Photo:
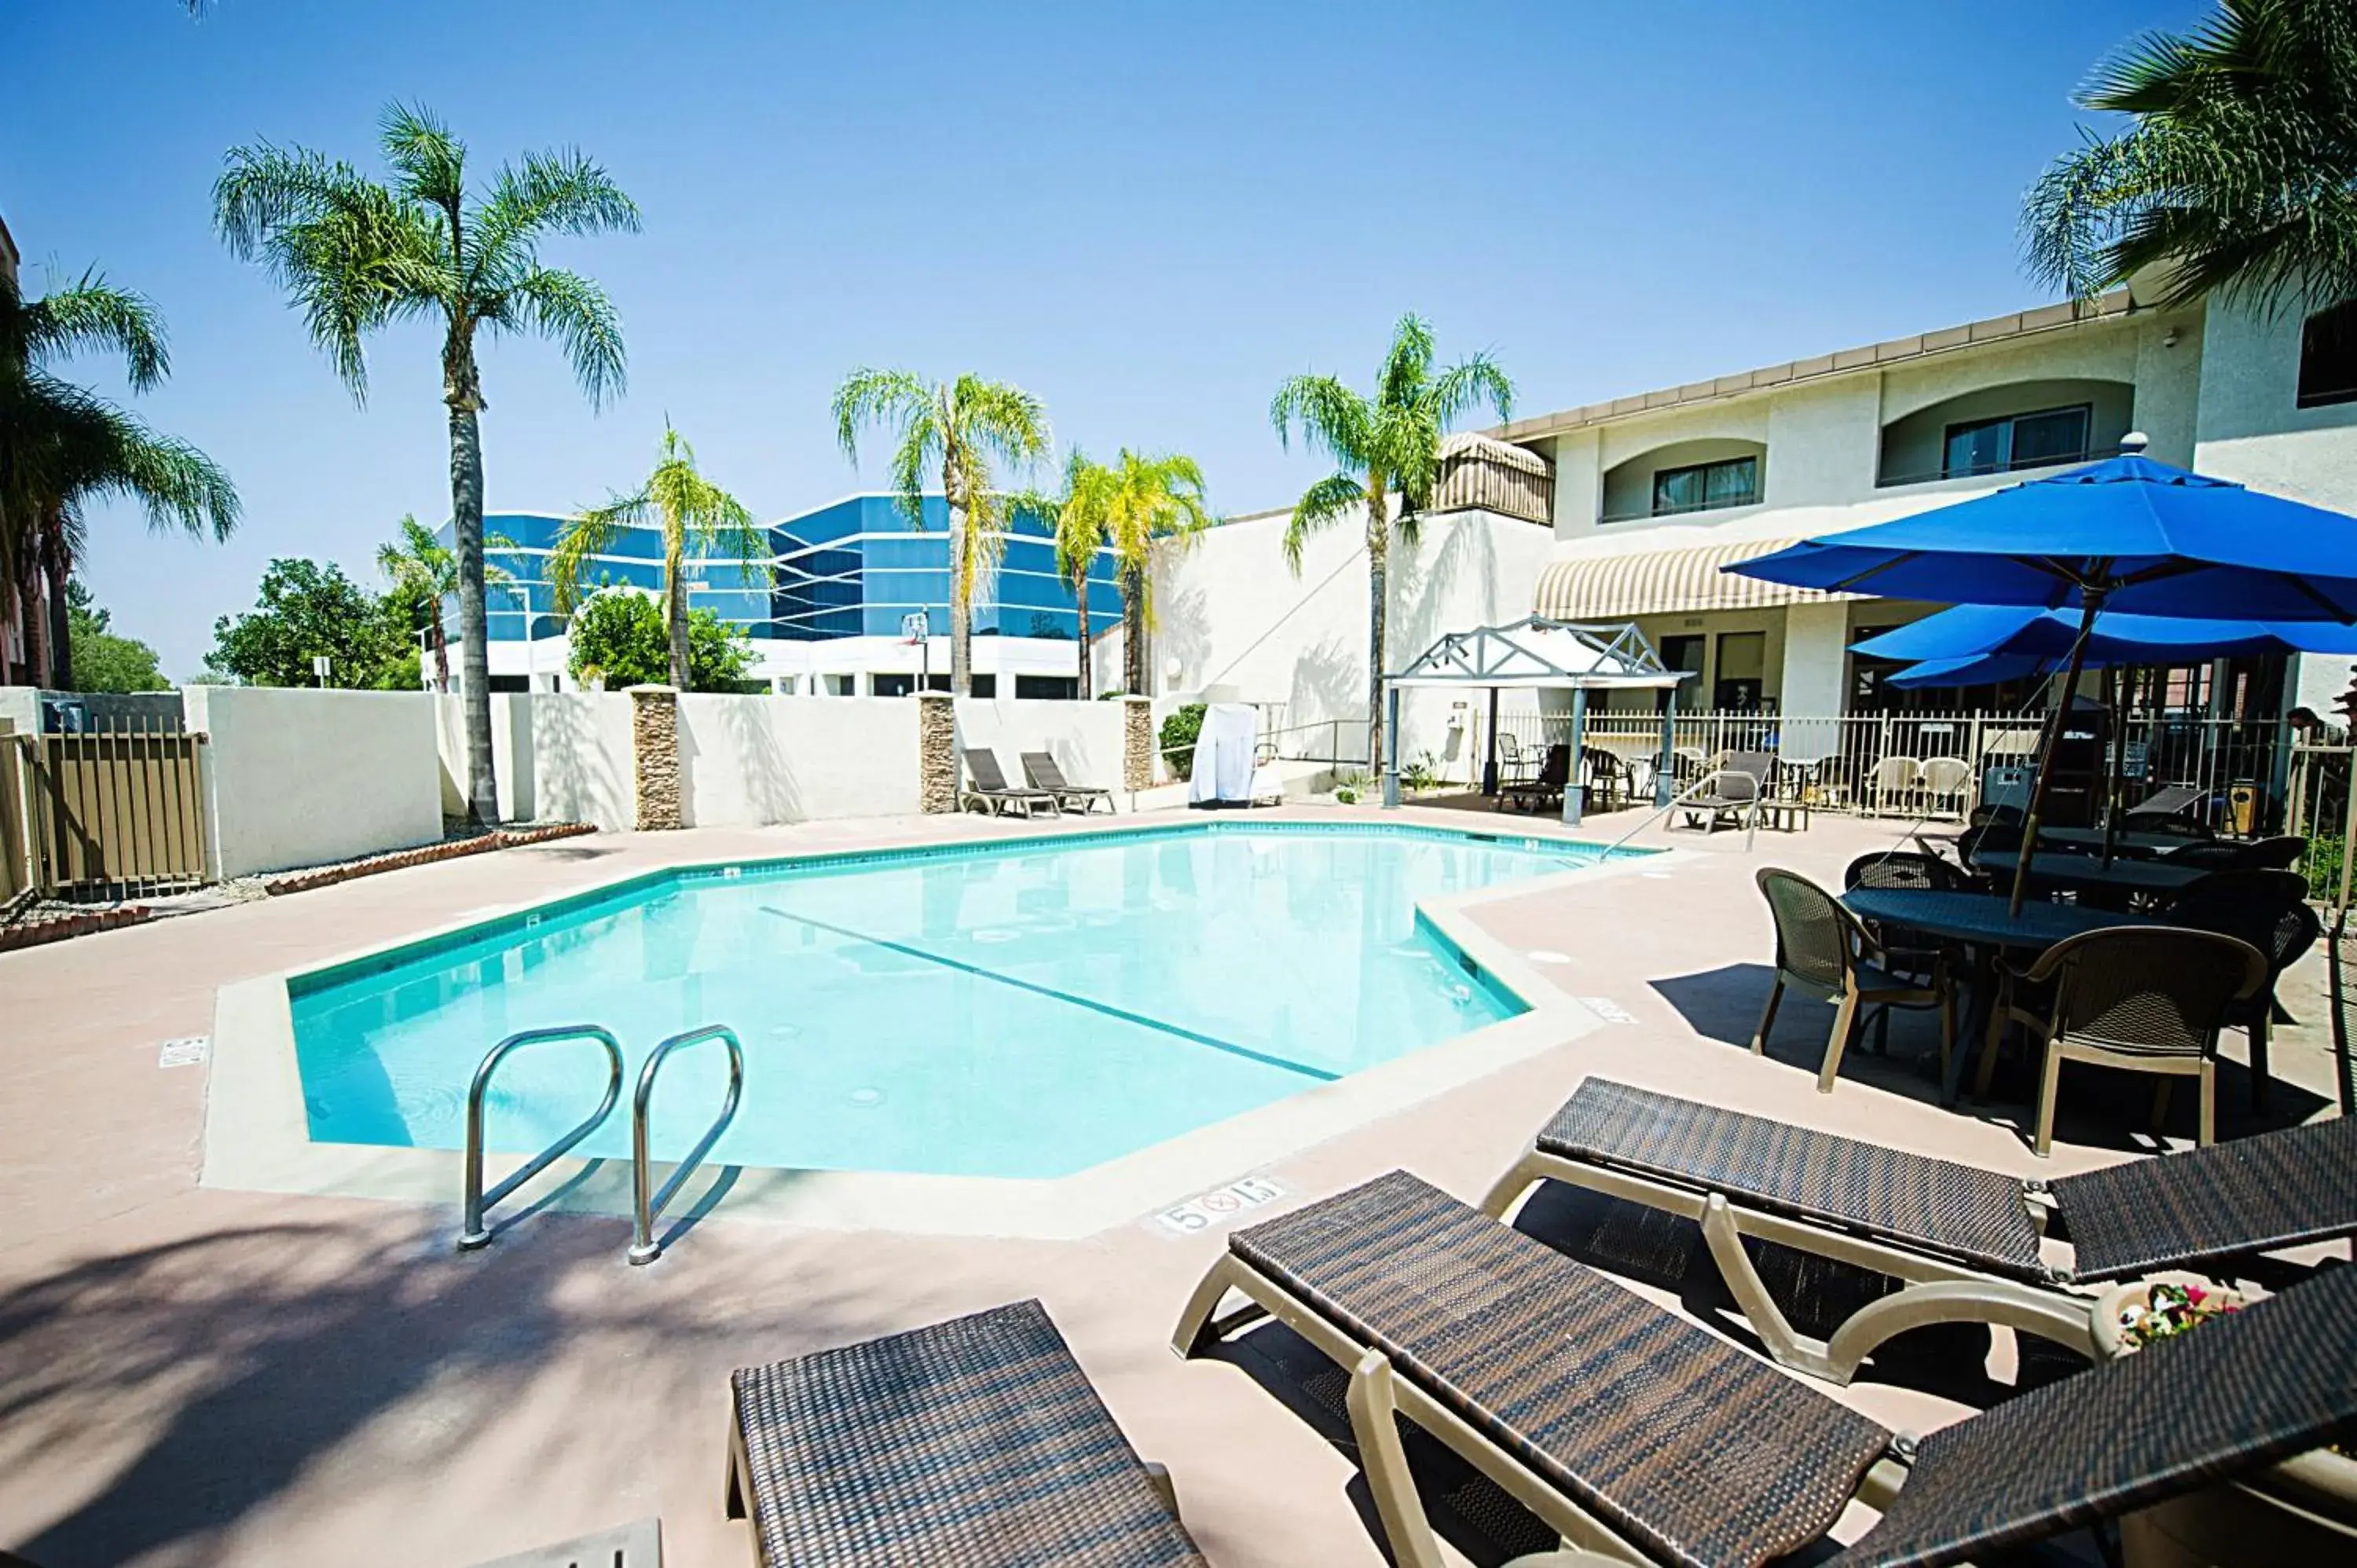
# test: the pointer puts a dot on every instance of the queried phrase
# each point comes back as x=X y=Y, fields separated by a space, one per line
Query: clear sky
x=1145 y=214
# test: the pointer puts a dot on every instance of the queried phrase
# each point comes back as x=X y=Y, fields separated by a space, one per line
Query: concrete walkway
x=208 y=1377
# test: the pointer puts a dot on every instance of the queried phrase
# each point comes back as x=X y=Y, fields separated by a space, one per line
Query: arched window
x=2328 y=357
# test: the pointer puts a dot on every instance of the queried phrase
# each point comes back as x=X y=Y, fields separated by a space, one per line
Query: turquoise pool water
x=1016 y=1011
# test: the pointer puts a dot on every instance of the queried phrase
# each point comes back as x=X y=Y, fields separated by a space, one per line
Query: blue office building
x=853 y=569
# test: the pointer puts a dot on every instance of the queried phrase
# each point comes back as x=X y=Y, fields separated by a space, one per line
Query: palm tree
x=1390 y=442
x=422 y=565
x=61 y=448
x=1079 y=515
x=955 y=428
x=1151 y=498
x=2239 y=174
x=686 y=507
x=354 y=253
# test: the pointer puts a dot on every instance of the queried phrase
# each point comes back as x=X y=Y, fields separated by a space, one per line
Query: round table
x=1984 y=925
x=2089 y=871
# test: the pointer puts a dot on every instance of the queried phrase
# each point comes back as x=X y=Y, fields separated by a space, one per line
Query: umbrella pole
x=2092 y=601
x=2114 y=685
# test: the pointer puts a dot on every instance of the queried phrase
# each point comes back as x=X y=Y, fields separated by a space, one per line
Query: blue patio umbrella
x=1987 y=670
x=2127 y=535
x=1971 y=632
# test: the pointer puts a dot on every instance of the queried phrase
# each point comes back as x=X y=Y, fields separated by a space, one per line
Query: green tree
x=955 y=429
x=1079 y=517
x=2237 y=175
x=354 y=254
x=306 y=609
x=1151 y=498
x=104 y=660
x=1385 y=444
x=63 y=449
x=686 y=508
x=620 y=638
x=423 y=572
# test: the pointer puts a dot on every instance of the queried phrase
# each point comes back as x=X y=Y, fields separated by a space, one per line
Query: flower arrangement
x=2169 y=1309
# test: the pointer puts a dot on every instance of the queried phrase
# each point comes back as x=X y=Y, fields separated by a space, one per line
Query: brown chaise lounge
x=1042 y=771
x=1636 y=1434
x=1964 y=1240
x=973 y=1443
x=997 y=795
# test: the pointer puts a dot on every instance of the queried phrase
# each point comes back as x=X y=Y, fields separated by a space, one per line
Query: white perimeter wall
x=754 y=760
x=1085 y=738
x=1242 y=624
x=300 y=778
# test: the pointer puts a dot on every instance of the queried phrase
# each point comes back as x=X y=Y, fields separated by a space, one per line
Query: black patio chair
x=2269 y=910
x=1544 y=789
x=1823 y=950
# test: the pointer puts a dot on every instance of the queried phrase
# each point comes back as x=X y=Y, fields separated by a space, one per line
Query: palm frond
x=1470 y=384
x=91 y=314
x=1334 y=420
x=589 y=533
x=1408 y=363
x=554 y=193
x=1322 y=504
x=569 y=309
x=1002 y=419
x=64 y=447
x=431 y=163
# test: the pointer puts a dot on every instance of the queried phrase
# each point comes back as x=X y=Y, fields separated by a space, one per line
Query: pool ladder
x=647 y=1203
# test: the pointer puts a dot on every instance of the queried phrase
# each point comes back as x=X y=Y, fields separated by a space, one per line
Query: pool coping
x=257 y=1137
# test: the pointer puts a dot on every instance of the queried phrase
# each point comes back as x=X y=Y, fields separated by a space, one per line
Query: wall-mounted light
x=2168 y=338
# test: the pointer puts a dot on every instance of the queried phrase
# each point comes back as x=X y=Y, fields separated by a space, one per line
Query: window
x=2016 y=441
x=2328 y=357
x=1703 y=486
x=1742 y=671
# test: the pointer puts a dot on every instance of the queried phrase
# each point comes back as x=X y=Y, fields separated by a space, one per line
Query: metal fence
x=114 y=812
x=1937 y=763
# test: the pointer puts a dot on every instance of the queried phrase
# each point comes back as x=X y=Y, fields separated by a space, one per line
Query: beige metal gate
x=114 y=814
x=15 y=847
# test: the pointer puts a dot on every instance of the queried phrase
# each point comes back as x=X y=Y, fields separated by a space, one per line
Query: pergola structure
x=1538 y=654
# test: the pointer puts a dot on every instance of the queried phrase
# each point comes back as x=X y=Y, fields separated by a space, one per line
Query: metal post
x=1391 y=747
x=1489 y=765
x=1574 y=799
x=1665 y=777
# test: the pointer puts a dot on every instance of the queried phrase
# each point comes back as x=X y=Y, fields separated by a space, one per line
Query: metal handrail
x=475 y=1235
x=644 y=1248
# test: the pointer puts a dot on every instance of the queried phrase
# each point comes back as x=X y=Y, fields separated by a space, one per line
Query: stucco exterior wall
x=297 y=777
x=757 y=760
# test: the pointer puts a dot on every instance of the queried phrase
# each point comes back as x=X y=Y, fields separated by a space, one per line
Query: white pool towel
x=1223 y=755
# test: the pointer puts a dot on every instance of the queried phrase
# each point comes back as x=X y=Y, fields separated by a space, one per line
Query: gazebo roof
x=1537 y=653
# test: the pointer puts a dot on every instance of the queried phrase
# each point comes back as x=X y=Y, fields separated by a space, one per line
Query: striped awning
x=1665 y=582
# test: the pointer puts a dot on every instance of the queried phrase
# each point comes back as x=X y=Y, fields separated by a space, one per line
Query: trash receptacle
x=2242 y=806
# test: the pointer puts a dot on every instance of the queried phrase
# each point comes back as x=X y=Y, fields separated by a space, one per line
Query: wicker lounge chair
x=1543 y=788
x=1040 y=769
x=974 y=1444
x=995 y=795
x=1730 y=794
x=1823 y=950
x=2168 y=800
x=1642 y=1436
x=1963 y=1241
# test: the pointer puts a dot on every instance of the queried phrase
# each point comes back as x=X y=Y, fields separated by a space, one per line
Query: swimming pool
x=1024 y=1010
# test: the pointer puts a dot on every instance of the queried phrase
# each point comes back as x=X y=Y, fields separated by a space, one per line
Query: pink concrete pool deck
x=193 y=1375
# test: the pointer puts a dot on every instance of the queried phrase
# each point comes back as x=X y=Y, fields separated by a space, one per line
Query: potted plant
x=2301 y=1511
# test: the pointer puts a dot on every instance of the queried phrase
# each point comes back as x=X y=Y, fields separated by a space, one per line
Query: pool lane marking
x=1107 y=1008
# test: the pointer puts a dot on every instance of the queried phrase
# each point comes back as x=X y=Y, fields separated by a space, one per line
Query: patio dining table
x=2088 y=871
x=1982 y=925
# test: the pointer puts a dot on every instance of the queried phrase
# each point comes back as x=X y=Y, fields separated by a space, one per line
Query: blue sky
x=1146 y=215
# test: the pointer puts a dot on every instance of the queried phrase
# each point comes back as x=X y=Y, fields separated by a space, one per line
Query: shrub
x=1181 y=731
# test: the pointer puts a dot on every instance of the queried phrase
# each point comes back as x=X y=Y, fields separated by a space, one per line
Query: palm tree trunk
x=60 y=569
x=474 y=646
x=30 y=620
x=61 y=672
x=961 y=604
x=1379 y=539
x=1134 y=674
x=441 y=647
x=675 y=606
x=1080 y=605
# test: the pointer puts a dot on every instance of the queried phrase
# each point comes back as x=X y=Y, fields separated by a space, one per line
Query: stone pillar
x=1138 y=743
x=654 y=747
x=937 y=760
